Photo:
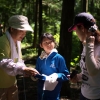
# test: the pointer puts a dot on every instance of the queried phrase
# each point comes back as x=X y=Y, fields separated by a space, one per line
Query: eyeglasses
x=47 y=42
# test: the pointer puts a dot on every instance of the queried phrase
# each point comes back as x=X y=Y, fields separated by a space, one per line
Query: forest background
x=55 y=17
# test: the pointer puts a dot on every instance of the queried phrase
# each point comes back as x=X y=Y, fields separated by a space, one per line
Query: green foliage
x=25 y=45
x=29 y=53
x=12 y=7
x=51 y=22
x=56 y=37
x=75 y=50
x=29 y=38
x=78 y=6
x=74 y=61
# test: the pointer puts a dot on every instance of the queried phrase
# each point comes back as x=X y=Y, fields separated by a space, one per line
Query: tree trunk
x=35 y=28
x=85 y=5
x=91 y=6
x=40 y=23
x=66 y=38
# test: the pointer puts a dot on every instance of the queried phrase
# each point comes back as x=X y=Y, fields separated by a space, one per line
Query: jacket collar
x=44 y=54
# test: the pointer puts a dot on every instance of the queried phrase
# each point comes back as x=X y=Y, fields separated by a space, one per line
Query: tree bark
x=85 y=5
x=65 y=45
x=35 y=28
x=40 y=24
x=91 y=6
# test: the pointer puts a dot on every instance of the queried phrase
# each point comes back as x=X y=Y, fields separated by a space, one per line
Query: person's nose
x=49 y=43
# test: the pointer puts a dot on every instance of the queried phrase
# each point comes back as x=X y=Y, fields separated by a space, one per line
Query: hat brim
x=25 y=27
x=73 y=27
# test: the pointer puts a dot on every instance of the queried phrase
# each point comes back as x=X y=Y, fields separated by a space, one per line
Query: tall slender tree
x=36 y=23
x=65 y=44
x=40 y=23
x=85 y=5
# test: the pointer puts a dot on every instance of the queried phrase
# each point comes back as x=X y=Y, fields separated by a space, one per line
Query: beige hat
x=19 y=22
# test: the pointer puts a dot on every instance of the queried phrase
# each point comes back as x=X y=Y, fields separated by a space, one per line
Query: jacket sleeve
x=92 y=60
x=12 y=68
x=62 y=70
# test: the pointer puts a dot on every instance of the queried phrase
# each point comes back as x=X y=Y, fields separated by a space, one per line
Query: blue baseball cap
x=82 y=18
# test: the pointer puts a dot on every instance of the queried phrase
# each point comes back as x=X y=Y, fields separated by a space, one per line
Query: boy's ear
x=41 y=46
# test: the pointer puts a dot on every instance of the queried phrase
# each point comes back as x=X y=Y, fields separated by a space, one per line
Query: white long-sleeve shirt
x=90 y=66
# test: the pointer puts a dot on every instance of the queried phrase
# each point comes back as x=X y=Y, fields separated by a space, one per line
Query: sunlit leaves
x=74 y=62
x=56 y=37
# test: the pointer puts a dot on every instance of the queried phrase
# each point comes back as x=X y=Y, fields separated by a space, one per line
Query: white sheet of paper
x=49 y=86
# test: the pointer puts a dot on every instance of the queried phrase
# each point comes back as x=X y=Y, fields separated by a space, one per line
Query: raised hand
x=90 y=39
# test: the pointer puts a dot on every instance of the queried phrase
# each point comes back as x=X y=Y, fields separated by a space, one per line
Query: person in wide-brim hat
x=11 y=63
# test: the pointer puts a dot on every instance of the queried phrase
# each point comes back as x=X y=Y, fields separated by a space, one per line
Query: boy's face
x=47 y=45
